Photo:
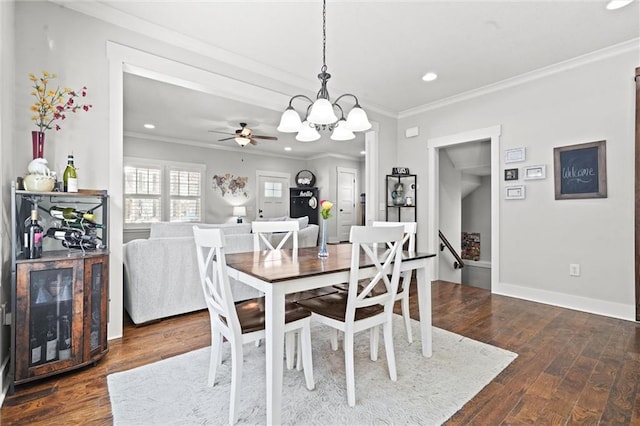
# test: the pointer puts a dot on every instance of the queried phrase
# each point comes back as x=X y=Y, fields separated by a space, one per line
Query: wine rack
x=59 y=301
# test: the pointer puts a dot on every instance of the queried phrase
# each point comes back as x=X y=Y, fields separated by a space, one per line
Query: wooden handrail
x=458 y=263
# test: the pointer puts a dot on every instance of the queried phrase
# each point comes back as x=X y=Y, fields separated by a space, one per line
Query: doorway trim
x=433 y=222
x=128 y=59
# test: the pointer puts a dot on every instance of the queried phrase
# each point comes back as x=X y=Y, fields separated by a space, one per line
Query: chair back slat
x=262 y=232
x=410 y=229
x=212 y=266
x=367 y=240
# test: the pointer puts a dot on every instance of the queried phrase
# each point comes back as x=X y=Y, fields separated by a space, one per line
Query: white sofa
x=161 y=276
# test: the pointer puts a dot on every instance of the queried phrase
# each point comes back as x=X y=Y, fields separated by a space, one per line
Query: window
x=273 y=189
x=164 y=191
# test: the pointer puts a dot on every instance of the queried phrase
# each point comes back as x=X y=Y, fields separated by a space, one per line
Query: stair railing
x=457 y=263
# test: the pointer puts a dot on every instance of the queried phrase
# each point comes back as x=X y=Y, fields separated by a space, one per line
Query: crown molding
x=598 y=55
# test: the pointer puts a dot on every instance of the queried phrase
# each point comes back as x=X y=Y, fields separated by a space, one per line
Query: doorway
x=434 y=147
x=272 y=197
x=347 y=185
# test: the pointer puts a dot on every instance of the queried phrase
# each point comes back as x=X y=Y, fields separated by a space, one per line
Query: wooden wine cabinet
x=59 y=301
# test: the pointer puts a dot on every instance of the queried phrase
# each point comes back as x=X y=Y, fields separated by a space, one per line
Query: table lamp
x=240 y=212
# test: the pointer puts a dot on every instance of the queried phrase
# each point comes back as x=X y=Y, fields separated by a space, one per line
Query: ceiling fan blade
x=224 y=133
x=226 y=139
x=253 y=141
x=270 y=138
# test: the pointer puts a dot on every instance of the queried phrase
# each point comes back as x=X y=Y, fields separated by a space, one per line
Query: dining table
x=278 y=273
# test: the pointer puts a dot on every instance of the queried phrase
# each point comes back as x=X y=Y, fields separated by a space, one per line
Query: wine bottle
x=69 y=177
x=35 y=346
x=75 y=238
x=52 y=340
x=70 y=214
x=33 y=235
x=64 y=348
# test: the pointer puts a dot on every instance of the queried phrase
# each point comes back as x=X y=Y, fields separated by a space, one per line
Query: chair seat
x=251 y=314
x=334 y=306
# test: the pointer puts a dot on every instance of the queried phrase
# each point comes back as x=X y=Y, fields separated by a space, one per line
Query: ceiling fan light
x=341 y=132
x=307 y=133
x=322 y=112
x=242 y=141
x=357 y=120
x=290 y=121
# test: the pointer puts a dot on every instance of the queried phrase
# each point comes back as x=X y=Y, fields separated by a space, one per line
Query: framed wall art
x=580 y=171
x=535 y=172
x=514 y=155
x=514 y=192
x=511 y=174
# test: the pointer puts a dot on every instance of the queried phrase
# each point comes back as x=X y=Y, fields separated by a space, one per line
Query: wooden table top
x=280 y=265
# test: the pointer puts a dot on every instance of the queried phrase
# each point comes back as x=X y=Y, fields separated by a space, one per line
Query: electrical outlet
x=574 y=269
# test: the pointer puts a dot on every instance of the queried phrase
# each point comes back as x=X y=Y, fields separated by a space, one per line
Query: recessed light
x=617 y=4
x=149 y=126
x=430 y=76
x=287 y=148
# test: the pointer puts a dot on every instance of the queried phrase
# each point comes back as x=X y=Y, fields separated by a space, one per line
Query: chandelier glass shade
x=320 y=114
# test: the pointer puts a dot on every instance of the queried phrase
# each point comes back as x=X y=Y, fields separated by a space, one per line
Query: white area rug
x=428 y=390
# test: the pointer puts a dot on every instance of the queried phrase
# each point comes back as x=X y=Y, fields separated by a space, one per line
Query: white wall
x=476 y=215
x=450 y=213
x=6 y=174
x=587 y=100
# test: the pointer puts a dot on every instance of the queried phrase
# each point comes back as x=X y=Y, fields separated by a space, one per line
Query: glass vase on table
x=323 y=240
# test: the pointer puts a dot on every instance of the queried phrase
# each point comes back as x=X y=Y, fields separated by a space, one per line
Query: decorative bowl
x=39 y=183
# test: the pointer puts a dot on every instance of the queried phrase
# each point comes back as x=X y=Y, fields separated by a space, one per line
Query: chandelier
x=321 y=113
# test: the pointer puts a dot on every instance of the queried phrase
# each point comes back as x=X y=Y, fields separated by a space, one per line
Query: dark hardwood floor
x=572 y=367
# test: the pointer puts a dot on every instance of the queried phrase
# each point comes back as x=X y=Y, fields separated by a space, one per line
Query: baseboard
x=579 y=303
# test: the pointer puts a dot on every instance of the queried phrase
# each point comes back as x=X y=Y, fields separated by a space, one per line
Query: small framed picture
x=511 y=174
x=535 y=172
x=514 y=155
x=514 y=192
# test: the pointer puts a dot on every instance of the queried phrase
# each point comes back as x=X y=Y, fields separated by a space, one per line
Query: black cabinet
x=401 y=198
x=303 y=201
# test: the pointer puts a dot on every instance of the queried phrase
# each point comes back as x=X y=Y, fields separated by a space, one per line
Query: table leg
x=274 y=328
x=424 y=305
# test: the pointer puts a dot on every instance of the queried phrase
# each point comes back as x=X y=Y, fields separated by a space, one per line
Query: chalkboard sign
x=580 y=171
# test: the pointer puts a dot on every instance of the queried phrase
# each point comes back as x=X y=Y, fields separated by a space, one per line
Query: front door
x=346 y=208
x=272 y=198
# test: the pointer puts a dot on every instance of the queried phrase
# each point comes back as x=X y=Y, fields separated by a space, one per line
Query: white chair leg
x=290 y=341
x=374 y=337
x=215 y=357
x=349 y=369
x=305 y=343
x=334 y=339
x=388 y=345
x=299 y=360
x=406 y=282
x=236 y=376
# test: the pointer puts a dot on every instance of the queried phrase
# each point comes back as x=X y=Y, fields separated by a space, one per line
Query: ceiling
x=377 y=50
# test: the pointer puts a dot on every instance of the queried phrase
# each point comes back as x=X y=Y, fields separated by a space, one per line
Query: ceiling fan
x=244 y=135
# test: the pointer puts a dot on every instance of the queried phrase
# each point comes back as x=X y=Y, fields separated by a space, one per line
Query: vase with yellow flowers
x=325 y=212
x=50 y=107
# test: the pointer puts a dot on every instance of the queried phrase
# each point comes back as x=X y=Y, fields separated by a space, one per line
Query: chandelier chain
x=324 y=35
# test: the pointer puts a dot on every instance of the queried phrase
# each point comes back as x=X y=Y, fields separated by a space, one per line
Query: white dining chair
x=359 y=309
x=239 y=322
x=263 y=234
x=402 y=295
